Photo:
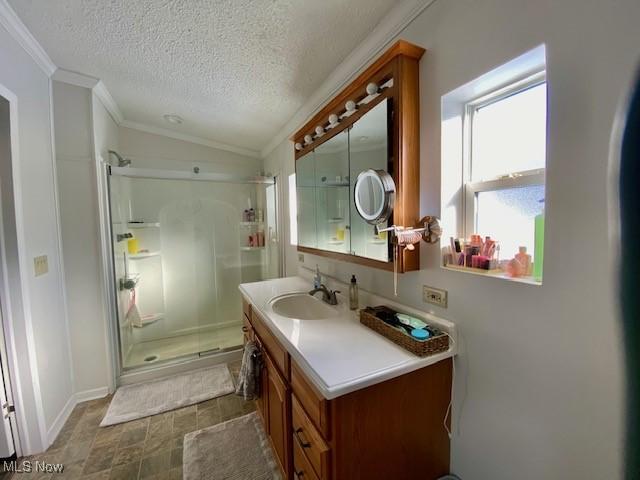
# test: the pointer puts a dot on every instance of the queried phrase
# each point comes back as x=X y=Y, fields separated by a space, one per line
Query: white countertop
x=340 y=355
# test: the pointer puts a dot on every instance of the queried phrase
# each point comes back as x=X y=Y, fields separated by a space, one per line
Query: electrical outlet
x=301 y=257
x=434 y=296
x=40 y=265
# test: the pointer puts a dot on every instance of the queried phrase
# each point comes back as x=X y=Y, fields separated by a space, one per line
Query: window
x=504 y=165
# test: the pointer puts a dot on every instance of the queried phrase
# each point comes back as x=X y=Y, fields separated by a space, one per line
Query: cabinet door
x=368 y=148
x=332 y=194
x=279 y=408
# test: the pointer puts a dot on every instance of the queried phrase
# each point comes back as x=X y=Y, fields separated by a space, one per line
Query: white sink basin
x=302 y=306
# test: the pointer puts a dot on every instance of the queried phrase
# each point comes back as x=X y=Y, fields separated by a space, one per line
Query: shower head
x=122 y=162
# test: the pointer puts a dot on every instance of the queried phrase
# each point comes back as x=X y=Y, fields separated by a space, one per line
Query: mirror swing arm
x=393 y=76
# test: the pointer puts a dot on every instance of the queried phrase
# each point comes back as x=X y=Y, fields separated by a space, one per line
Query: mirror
x=306 y=200
x=369 y=150
x=374 y=195
x=332 y=194
x=329 y=196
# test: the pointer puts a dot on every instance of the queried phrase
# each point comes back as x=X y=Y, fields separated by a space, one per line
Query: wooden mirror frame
x=400 y=63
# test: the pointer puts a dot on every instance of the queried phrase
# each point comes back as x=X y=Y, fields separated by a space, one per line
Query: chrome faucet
x=328 y=296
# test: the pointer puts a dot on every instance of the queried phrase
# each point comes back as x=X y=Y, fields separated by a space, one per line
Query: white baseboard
x=63 y=416
x=60 y=420
x=91 y=394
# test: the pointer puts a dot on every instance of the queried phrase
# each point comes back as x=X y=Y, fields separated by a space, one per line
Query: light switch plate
x=40 y=265
x=434 y=296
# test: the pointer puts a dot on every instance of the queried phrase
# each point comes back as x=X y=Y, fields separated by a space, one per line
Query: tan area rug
x=131 y=402
x=233 y=450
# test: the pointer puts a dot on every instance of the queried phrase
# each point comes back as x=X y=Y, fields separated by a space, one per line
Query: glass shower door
x=216 y=264
x=235 y=237
x=181 y=248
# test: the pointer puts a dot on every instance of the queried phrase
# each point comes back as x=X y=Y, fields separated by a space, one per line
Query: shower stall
x=181 y=243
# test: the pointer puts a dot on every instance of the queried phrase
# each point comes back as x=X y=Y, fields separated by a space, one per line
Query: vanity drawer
x=309 y=440
x=302 y=469
x=278 y=354
x=315 y=405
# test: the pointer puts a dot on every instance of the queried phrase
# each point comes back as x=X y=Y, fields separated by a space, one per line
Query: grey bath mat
x=143 y=399
x=233 y=450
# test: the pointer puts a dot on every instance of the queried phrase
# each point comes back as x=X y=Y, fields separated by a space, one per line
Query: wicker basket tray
x=422 y=348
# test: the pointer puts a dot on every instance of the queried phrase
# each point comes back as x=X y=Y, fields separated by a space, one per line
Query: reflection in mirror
x=368 y=149
x=306 y=197
x=332 y=194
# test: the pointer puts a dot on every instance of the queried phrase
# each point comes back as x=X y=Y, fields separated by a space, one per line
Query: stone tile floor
x=148 y=448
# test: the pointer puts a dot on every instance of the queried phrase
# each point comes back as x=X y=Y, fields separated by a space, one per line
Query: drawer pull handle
x=303 y=443
x=245 y=329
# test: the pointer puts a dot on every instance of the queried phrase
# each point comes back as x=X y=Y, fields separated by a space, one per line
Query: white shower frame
x=180 y=364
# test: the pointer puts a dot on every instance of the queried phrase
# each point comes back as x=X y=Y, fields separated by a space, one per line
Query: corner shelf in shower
x=143 y=225
x=140 y=256
x=149 y=319
x=251 y=224
x=335 y=184
x=251 y=249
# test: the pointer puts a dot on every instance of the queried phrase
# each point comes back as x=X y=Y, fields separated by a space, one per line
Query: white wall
x=44 y=379
x=74 y=128
x=280 y=162
x=148 y=150
x=106 y=133
x=538 y=391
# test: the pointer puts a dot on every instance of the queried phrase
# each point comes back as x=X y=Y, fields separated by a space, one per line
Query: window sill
x=493 y=274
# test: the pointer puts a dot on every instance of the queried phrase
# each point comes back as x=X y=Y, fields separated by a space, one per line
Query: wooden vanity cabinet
x=391 y=430
x=274 y=402
x=278 y=411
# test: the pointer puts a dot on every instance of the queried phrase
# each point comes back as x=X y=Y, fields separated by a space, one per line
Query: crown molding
x=10 y=20
x=92 y=83
x=379 y=38
x=74 y=78
x=189 y=138
x=103 y=94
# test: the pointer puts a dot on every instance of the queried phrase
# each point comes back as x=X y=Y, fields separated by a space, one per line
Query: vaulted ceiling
x=234 y=70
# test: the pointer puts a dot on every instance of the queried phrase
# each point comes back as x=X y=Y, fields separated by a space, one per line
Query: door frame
x=23 y=392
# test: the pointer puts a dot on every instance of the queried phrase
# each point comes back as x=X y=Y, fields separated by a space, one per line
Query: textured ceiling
x=235 y=70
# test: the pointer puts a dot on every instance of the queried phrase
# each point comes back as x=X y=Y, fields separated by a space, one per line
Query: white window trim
x=516 y=179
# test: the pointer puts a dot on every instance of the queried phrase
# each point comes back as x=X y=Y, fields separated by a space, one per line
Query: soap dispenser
x=353 y=293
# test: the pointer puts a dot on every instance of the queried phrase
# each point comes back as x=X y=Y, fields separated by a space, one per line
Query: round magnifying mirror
x=374 y=195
